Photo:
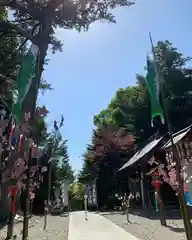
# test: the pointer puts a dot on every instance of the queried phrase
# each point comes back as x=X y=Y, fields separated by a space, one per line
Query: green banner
x=152 y=86
x=24 y=79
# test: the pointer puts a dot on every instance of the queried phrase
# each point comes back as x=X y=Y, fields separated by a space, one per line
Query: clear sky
x=93 y=65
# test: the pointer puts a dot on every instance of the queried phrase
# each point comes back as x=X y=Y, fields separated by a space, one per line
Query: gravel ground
x=148 y=229
x=57 y=228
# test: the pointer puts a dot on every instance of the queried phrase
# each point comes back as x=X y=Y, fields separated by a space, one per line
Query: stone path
x=96 y=227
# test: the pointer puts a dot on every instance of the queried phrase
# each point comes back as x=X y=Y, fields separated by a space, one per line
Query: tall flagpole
x=181 y=197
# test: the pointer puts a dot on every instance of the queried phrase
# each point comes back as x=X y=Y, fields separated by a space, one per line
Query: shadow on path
x=176 y=229
x=151 y=214
x=2 y=225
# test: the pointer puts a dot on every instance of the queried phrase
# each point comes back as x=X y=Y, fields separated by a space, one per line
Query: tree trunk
x=26 y=201
x=47 y=210
x=184 y=212
x=162 y=211
x=181 y=196
x=179 y=177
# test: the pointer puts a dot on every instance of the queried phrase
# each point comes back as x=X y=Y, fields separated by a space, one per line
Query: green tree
x=89 y=171
x=37 y=20
x=9 y=60
x=177 y=83
x=76 y=190
x=64 y=170
x=60 y=157
x=57 y=153
x=76 y=195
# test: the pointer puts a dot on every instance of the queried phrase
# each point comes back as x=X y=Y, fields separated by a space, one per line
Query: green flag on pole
x=153 y=88
x=24 y=80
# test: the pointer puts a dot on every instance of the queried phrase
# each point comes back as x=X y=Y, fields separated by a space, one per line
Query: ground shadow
x=2 y=225
x=176 y=229
x=131 y=223
x=172 y=214
x=111 y=213
x=66 y=214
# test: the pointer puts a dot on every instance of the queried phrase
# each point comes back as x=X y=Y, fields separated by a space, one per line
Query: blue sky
x=94 y=64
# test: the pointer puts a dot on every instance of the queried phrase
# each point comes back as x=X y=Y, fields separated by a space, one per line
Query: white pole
x=85 y=203
x=142 y=191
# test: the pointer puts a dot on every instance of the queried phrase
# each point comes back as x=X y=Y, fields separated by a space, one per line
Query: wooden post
x=26 y=199
x=157 y=183
x=12 y=192
x=85 y=204
x=142 y=190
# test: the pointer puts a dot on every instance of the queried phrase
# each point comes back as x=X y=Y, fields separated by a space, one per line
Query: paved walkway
x=96 y=228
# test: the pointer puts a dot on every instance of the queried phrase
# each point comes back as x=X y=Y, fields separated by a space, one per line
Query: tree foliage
x=76 y=190
x=60 y=157
x=56 y=160
x=37 y=20
x=9 y=60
